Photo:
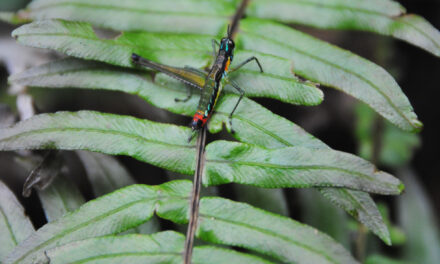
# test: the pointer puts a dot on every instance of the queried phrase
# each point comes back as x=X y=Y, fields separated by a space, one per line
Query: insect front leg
x=253 y=58
x=188 y=95
x=214 y=47
x=241 y=91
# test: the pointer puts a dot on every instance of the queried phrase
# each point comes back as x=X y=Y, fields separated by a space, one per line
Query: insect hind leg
x=188 y=95
x=241 y=91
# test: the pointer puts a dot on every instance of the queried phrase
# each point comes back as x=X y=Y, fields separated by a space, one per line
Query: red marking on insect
x=199 y=120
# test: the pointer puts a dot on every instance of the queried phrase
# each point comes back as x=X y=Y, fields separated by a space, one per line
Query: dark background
x=333 y=121
x=420 y=83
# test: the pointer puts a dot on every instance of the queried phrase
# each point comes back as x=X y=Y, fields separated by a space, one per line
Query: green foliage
x=293 y=167
x=272 y=200
x=61 y=197
x=397 y=145
x=422 y=232
x=378 y=16
x=15 y=226
x=333 y=67
x=110 y=214
x=348 y=72
x=379 y=259
x=173 y=49
x=360 y=206
x=397 y=235
x=136 y=15
x=159 y=144
x=237 y=224
x=315 y=208
x=252 y=123
x=105 y=175
x=133 y=205
x=163 y=247
x=225 y=161
x=272 y=153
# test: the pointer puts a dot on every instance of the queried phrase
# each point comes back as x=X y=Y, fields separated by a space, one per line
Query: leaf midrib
x=18 y=78
x=300 y=167
x=122 y=254
x=434 y=41
x=107 y=42
x=272 y=75
x=119 y=8
x=395 y=18
x=96 y=219
x=360 y=206
x=103 y=131
x=91 y=70
x=361 y=77
x=265 y=231
x=8 y=226
x=138 y=91
x=338 y=7
x=261 y=128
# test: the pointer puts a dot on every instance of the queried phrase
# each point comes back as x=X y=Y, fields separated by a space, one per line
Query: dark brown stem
x=237 y=16
x=200 y=158
x=195 y=197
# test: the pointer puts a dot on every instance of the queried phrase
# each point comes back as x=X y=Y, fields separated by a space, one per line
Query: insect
x=209 y=83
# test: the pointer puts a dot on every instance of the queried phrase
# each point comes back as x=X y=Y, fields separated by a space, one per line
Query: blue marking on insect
x=227 y=47
x=221 y=46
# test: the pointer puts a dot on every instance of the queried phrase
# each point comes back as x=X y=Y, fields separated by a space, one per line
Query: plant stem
x=200 y=158
x=377 y=135
x=195 y=197
x=237 y=16
x=361 y=242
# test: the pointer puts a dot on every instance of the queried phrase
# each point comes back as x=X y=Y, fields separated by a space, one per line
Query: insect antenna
x=229 y=31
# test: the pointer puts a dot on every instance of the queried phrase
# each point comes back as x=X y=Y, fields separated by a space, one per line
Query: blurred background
x=340 y=121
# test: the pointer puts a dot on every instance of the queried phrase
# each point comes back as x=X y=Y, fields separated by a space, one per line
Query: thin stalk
x=195 y=197
x=237 y=16
x=361 y=239
x=200 y=159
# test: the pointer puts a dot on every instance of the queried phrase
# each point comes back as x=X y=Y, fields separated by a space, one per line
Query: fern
x=271 y=152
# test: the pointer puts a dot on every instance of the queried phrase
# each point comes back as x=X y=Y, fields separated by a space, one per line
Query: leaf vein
x=361 y=77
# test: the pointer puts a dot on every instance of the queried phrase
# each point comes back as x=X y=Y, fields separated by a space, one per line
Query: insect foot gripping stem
x=135 y=58
x=230 y=125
